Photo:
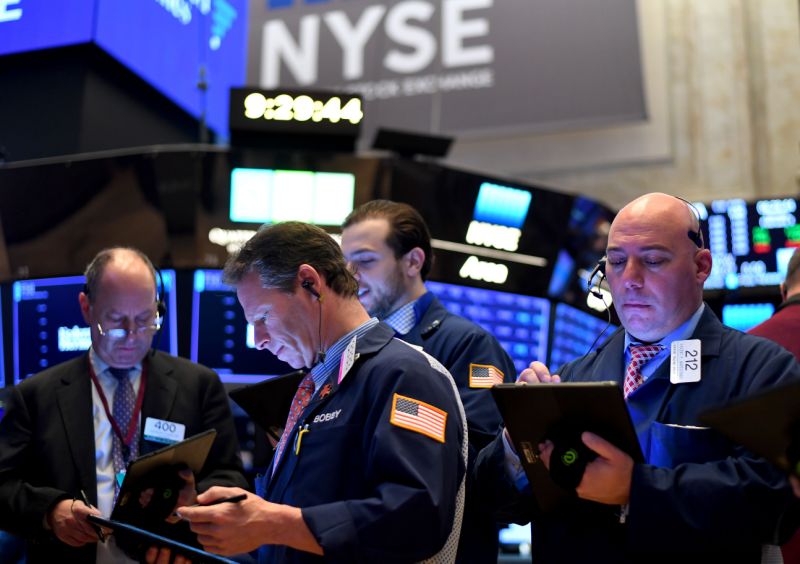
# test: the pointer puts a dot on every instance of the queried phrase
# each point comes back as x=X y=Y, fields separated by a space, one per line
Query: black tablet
x=159 y=470
x=148 y=539
x=534 y=413
x=268 y=402
x=767 y=424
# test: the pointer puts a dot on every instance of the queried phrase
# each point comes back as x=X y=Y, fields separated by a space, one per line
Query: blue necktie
x=122 y=411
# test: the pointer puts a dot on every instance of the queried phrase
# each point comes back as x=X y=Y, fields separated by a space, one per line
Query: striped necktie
x=640 y=355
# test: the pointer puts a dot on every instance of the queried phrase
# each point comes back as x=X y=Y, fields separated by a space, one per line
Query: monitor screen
x=574 y=331
x=518 y=322
x=746 y=316
x=48 y=327
x=221 y=337
x=261 y=195
x=751 y=242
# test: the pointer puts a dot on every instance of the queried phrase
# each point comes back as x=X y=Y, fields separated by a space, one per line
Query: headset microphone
x=600 y=268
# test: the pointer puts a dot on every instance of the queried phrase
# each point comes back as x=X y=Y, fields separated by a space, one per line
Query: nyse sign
x=456 y=66
x=411 y=47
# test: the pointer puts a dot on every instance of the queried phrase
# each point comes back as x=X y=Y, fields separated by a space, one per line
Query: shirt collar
x=403 y=319
x=333 y=355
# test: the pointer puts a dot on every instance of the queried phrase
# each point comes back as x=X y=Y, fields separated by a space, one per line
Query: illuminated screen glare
x=269 y=196
x=746 y=316
x=574 y=331
x=501 y=205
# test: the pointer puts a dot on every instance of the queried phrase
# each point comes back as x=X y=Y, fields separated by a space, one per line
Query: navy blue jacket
x=698 y=494
x=456 y=343
x=369 y=490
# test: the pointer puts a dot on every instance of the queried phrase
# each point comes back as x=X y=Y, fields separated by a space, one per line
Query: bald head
x=655 y=269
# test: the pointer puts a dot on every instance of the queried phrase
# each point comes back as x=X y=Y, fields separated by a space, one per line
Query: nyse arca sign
x=454 y=65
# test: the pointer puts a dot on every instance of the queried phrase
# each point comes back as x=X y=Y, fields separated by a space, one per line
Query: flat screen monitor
x=751 y=242
x=518 y=322
x=574 y=331
x=261 y=195
x=221 y=337
x=746 y=316
x=48 y=327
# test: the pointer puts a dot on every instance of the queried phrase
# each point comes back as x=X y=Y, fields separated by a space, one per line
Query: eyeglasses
x=117 y=333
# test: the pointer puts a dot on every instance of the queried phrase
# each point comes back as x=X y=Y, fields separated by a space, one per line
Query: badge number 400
x=285 y=107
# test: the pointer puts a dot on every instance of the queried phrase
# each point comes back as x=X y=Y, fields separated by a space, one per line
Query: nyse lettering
x=8 y=13
x=411 y=45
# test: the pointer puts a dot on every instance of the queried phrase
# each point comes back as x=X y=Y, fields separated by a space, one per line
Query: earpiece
x=600 y=268
x=308 y=286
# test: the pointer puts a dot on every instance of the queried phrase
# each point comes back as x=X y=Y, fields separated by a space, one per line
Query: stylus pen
x=232 y=499
x=96 y=528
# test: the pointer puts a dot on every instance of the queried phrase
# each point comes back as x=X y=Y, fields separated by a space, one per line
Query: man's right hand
x=68 y=522
x=537 y=373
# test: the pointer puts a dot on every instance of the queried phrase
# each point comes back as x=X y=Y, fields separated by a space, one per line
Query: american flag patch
x=484 y=376
x=418 y=416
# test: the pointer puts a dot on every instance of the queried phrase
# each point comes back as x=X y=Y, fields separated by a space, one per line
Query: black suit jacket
x=47 y=448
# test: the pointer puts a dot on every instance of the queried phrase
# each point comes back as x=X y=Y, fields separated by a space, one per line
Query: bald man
x=58 y=445
x=697 y=496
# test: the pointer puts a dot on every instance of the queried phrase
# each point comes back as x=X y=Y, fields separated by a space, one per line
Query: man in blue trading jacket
x=371 y=464
x=388 y=247
x=697 y=497
x=62 y=435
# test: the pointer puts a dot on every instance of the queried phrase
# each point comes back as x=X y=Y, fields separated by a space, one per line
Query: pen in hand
x=231 y=499
x=96 y=528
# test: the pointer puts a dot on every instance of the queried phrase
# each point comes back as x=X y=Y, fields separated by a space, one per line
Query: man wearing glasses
x=70 y=431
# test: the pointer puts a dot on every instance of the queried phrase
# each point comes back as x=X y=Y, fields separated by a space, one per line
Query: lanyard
x=134 y=422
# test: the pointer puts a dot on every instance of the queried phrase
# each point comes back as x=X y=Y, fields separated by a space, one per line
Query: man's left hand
x=607 y=478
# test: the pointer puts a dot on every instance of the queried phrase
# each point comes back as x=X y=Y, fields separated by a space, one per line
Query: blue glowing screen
x=502 y=205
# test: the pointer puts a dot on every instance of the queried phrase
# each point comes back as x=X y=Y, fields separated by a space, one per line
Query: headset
x=600 y=268
x=308 y=286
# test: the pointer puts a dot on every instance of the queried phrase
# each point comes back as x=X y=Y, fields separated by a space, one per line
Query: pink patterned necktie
x=301 y=398
x=640 y=355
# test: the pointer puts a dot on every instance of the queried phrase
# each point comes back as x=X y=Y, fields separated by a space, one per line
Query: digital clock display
x=295 y=111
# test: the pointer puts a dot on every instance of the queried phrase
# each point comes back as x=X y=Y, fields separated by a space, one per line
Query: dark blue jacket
x=698 y=494
x=369 y=490
x=456 y=343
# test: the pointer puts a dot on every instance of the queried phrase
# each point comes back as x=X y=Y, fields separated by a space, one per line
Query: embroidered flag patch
x=484 y=376
x=418 y=416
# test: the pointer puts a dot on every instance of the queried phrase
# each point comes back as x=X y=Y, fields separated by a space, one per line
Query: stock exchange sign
x=457 y=66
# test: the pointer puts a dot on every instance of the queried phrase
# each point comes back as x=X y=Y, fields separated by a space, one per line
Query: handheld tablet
x=147 y=539
x=767 y=424
x=534 y=413
x=159 y=470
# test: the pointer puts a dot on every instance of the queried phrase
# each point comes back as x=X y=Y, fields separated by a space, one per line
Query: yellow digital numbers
x=302 y=108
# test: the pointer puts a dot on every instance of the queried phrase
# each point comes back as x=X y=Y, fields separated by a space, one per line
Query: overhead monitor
x=751 y=242
x=221 y=337
x=745 y=316
x=48 y=328
x=260 y=195
x=518 y=322
x=574 y=331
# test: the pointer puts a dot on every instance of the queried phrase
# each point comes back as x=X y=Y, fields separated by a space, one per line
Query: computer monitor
x=48 y=328
x=574 y=331
x=518 y=322
x=221 y=337
x=746 y=316
x=751 y=242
